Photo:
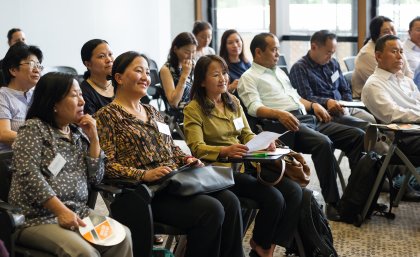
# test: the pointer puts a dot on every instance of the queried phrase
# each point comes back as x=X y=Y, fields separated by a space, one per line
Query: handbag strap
x=281 y=173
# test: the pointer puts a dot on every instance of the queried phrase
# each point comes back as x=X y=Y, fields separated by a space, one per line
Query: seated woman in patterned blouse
x=138 y=146
x=55 y=155
x=215 y=125
x=22 y=70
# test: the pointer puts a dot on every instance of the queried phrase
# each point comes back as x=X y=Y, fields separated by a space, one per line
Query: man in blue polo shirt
x=318 y=78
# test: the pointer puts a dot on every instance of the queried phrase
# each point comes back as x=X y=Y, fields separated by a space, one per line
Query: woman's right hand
x=234 y=151
x=155 y=174
x=69 y=220
x=187 y=66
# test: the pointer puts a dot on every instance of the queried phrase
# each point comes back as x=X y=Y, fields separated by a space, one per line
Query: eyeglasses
x=33 y=65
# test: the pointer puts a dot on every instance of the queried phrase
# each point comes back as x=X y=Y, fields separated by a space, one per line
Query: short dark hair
x=375 y=26
x=182 y=39
x=411 y=25
x=50 y=89
x=199 y=93
x=259 y=42
x=200 y=26
x=122 y=62
x=11 y=32
x=87 y=50
x=15 y=55
x=380 y=43
x=223 y=46
x=320 y=37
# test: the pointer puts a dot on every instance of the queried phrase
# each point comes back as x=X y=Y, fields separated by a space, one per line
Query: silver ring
x=72 y=228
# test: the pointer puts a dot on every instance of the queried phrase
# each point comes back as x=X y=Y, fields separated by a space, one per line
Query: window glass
x=401 y=12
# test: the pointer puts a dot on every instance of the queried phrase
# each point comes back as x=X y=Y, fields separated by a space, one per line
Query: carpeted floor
x=378 y=237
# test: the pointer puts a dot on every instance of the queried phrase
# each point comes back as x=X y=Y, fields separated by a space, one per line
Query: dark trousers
x=320 y=141
x=278 y=208
x=213 y=222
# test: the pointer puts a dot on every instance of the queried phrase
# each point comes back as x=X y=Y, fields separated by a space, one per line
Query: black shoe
x=380 y=207
x=331 y=212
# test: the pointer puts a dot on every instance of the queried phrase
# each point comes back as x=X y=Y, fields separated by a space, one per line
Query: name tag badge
x=239 y=123
x=57 y=164
x=335 y=76
x=163 y=128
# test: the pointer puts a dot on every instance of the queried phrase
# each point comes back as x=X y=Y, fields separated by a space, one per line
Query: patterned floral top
x=133 y=146
x=36 y=146
x=176 y=75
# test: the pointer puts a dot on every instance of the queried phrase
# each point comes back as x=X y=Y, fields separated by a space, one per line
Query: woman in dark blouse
x=138 y=145
x=55 y=155
x=231 y=50
x=97 y=88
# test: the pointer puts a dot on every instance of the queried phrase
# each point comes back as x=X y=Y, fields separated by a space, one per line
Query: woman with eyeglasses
x=22 y=70
x=203 y=31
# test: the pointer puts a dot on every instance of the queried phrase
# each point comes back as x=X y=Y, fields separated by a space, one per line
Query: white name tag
x=163 y=128
x=239 y=123
x=57 y=164
x=335 y=76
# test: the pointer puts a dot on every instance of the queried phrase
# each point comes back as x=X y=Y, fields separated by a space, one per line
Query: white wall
x=61 y=27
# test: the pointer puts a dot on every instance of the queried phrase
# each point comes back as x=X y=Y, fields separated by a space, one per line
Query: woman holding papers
x=215 y=125
x=55 y=155
x=139 y=146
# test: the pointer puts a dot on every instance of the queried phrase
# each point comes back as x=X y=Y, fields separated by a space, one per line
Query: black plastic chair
x=63 y=69
x=10 y=217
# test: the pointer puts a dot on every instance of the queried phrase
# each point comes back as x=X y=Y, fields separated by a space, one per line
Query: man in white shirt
x=365 y=62
x=393 y=97
x=412 y=46
x=266 y=92
x=388 y=94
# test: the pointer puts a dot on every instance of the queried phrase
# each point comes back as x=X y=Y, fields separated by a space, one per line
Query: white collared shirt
x=392 y=97
x=412 y=52
x=260 y=86
x=365 y=64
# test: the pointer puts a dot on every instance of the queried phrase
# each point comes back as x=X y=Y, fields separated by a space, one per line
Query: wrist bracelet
x=312 y=108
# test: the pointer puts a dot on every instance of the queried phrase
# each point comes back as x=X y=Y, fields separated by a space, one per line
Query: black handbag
x=194 y=180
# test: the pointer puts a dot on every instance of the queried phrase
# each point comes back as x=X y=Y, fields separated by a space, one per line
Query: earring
x=55 y=110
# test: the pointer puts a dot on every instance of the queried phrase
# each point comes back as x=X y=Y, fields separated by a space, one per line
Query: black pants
x=277 y=217
x=213 y=222
x=320 y=141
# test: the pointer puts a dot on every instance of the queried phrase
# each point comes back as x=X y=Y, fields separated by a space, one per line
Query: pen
x=260 y=155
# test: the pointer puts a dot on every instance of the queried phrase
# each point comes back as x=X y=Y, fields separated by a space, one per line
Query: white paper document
x=262 y=140
x=278 y=151
x=352 y=104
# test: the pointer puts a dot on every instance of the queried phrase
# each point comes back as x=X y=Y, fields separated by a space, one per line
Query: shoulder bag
x=292 y=165
x=194 y=180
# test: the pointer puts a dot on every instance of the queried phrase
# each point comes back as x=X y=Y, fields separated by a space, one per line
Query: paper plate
x=102 y=230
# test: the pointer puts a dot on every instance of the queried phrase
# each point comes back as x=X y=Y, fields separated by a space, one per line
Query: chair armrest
x=121 y=182
x=107 y=188
x=16 y=219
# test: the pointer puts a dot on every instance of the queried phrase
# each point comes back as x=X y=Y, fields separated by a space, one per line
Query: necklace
x=64 y=132
x=122 y=106
x=101 y=87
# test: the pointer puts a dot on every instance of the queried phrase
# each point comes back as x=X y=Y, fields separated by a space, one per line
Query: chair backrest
x=349 y=62
x=64 y=69
x=347 y=75
x=5 y=174
x=283 y=64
